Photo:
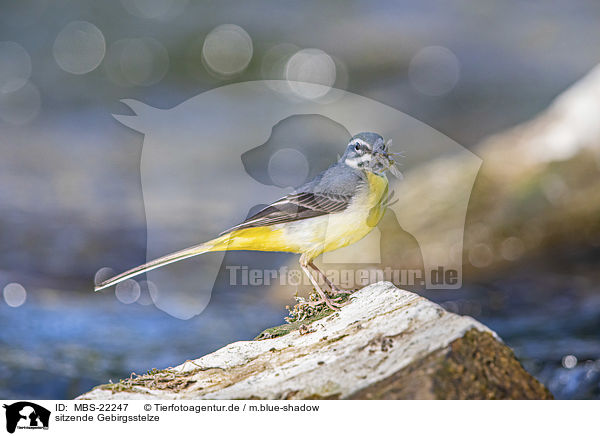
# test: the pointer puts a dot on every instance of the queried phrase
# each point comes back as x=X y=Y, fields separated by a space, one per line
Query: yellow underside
x=314 y=236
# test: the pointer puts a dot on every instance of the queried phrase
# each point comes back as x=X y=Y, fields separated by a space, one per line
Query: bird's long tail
x=217 y=244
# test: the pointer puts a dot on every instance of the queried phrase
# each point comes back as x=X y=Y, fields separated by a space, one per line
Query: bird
x=338 y=207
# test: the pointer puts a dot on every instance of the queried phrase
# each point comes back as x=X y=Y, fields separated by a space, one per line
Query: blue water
x=59 y=347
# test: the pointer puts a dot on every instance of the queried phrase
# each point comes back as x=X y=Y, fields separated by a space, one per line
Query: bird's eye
x=357 y=146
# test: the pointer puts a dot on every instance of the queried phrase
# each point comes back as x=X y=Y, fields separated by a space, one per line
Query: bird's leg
x=331 y=304
x=334 y=289
x=324 y=298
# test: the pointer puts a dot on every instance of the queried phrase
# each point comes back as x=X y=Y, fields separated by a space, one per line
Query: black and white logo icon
x=26 y=415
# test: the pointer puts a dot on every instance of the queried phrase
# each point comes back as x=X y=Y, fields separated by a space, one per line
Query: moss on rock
x=284 y=329
x=474 y=367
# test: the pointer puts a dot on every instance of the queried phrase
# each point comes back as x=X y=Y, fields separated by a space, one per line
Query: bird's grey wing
x=329 y=192
x=296 y=207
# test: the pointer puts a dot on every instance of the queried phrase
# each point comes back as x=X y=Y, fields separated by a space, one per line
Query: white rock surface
x=380 y=332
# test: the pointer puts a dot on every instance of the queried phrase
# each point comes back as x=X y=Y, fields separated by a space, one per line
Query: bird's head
x=367 y=151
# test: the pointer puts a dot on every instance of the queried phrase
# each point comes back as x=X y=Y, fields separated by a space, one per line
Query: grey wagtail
x=337 y=208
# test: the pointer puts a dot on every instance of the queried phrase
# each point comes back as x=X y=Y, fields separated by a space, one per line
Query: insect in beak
x=391 y=163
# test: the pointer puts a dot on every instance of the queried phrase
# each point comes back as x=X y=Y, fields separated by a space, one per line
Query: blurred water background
x=71 y=196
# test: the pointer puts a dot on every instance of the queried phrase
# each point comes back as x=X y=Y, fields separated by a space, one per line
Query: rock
x=386 y=344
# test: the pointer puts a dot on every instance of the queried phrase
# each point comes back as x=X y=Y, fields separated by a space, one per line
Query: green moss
x=153 y=379
x=284 y=329
x=476 y=366
x=304 y=313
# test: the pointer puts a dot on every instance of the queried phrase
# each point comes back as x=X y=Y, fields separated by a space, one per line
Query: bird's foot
x=333 y=303
x=335 y=291
x=325 y=298
x=312 y=306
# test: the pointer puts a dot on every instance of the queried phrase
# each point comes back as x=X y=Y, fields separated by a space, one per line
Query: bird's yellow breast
x=330 y=232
